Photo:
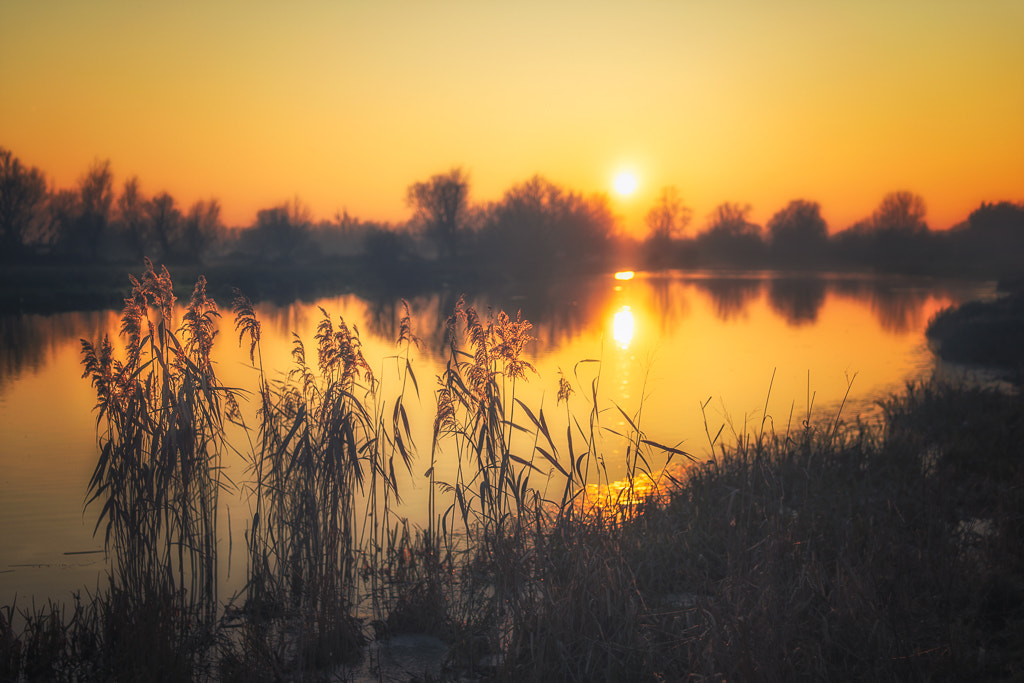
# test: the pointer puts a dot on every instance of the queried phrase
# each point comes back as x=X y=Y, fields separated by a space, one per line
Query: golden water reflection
x=622 y=327
x=675 y=342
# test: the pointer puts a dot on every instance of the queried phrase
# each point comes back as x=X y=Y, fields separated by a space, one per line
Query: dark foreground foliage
x=829 y=551
x=988 y=333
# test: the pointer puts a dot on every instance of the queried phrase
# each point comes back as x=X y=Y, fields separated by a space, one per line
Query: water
x=674 y=350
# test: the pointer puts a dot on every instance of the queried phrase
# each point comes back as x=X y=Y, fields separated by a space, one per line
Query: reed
x=826 y=551
x=160 y=412
x=323 y=536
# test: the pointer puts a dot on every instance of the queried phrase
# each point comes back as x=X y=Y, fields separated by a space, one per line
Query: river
x=684 y=354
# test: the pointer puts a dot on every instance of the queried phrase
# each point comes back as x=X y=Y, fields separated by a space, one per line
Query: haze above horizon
x=346 y=104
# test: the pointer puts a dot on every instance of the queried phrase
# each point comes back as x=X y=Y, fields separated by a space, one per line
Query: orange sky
x=347 y=103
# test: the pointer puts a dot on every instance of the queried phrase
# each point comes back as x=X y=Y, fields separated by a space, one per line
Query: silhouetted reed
x=161 y=441
x=825 y=551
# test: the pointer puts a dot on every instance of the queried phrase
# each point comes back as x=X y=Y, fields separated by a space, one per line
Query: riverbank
x=46 y=288
x=985 y=333
x=835 y=552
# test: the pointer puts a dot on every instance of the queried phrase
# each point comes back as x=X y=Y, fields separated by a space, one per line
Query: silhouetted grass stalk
x=831 y=552
x=161 y=439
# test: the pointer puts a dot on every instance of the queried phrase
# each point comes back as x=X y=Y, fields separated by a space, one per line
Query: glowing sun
x=625 y=183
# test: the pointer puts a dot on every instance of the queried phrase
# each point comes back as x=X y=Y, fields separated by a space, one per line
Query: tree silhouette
x=64 y=210
x=798 y=235
x=666 y=221
x=200 y=228
x=900 y=232
x=669 y=217
x=441 y=205
x=96 y=196
x=731 y=239
x=165 y=221
x=900 y=212
x=282 y=230
x=992 y=239
x=132 y=217
x=538 y=225
x=22 y=201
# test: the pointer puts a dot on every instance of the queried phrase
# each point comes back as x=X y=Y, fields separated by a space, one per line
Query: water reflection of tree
x=730 y=295
x=668 y=302
x=559 y=310
x=28 y=341
x=798 y=300
x=897 y=306
x=897 y=303
x=429 y=313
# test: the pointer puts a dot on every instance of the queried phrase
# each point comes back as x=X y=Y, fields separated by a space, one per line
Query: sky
x=345 y=104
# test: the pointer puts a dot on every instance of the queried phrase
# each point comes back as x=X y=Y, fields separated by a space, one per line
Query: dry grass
x=830 y=552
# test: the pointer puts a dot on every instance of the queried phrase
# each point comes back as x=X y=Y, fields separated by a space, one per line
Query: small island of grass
x=984 y=333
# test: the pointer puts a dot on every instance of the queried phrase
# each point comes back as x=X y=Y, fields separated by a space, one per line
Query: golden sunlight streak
x=624 y=275
x=622 y=327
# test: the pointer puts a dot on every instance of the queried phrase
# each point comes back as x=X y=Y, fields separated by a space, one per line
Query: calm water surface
x=667 y=344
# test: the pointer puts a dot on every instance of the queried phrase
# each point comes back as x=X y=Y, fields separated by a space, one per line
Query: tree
x=280 y=231
x=666 y=221
x=64 y=211
x=731 y=239
x=997 y=222
x=201 y=225
x=730 y=218
x=441 y=205
x=895 y=238
x=538 y=225
x=900 y=212
x=132 y=217
x=669 y=217
x=798 y=235
x=993 y=238
x=96 y=196
x=165 y=221
x=22 y=202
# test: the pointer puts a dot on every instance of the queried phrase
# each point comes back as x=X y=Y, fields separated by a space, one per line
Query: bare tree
x=669 y=217
x=200 y=228
x=731 y=218
x=63 y=213
x=96 y=196
x=731 y=239
x=282 y=230
x=165 y=220
x=22 y=202
x=900 y=211
x=132 y=217
x=539 y=226
x=441 y=205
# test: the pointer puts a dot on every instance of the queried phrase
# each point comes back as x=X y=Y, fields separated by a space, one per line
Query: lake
x=683 y=354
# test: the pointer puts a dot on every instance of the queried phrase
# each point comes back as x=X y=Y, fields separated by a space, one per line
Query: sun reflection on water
x=623 y=326
x=625 y=496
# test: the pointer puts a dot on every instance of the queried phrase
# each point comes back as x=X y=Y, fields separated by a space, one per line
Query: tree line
x=536 y=228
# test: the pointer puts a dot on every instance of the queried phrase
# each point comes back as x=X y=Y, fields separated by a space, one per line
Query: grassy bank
x=987 y=333
x=831 y=551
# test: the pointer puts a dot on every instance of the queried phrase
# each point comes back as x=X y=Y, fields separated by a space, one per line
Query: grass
x=987 y=333
x=830 y=551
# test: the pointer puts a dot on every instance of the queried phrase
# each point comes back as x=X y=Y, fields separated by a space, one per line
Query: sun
x=625 y=183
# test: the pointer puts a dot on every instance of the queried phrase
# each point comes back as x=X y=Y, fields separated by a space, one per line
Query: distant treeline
x=537 y=228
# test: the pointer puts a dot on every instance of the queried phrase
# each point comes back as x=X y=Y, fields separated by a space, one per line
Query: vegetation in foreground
x=825 y=551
